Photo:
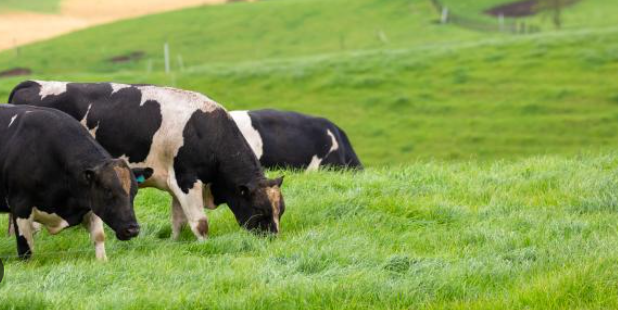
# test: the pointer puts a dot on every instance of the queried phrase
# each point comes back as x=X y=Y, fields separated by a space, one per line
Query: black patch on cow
x=292 y=139
x=199 y=133
x=123 y=126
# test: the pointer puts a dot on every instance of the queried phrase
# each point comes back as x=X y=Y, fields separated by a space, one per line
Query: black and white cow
x=196 y=150
x=54 y=173
x=294 y=140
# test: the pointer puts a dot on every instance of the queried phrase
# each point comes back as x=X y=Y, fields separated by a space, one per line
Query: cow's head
x=258 y=206
x=112 y=188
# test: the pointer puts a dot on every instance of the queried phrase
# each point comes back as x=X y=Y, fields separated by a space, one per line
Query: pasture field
x=41 y=6
x=538 y=233
x=491 y=180
x=432 y=91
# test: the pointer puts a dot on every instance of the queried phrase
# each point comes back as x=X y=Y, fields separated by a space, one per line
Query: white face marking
x=51 y=221
x=243 y=121
x=12 y=120
x=52 y=88
x=274 y=195
x=117 y=87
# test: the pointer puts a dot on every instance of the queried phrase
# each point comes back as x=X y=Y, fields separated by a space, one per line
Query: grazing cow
x=196 y=150
x=54 y=173
x=294 y=140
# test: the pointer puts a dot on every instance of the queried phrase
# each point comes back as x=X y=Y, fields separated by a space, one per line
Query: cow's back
x=295 y=140
x=143 y=124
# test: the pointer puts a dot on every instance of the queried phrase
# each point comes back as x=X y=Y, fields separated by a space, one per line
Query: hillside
x=533 y=234
x=402 y=86
x=27 y=21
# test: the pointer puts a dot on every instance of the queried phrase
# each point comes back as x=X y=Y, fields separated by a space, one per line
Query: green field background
x=491 y=180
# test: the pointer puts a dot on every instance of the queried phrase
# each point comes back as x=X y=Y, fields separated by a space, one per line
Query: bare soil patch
x=15 y=72
x=133 y=56
x=522 y=8
x=19 y=28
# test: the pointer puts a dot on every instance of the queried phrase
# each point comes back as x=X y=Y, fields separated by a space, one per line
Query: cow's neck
x=237 y=165
x=239 y=169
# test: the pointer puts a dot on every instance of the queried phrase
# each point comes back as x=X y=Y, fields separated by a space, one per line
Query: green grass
x=430 y=91
x=477 y=194
x=538 y=233
x=40 y=6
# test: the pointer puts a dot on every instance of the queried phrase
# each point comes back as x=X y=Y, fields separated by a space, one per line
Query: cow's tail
x=22 y=85
x=350 y=157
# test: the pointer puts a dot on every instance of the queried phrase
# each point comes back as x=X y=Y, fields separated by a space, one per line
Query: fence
x=502 y=24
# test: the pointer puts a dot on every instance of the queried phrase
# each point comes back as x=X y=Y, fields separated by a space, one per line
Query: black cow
x=54 y=173
x=196 y=150
x=294 y=140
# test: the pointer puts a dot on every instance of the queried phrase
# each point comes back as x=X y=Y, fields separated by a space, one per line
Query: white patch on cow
x=118 y=87
x=243 y=121
x=51 y=221
x=84 y=122
x=94 y=225
x=52 y=88
x=192 y=204
x=177 y=106
x=334 y=145
x=315 y=160
x=12 y=120
x=24 y=225
x=315 y=163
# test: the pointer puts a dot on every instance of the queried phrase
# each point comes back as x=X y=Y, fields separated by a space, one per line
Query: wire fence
x=502 y=24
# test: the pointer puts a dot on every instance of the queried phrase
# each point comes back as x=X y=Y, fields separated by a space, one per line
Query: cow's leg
x=178 y=218
x=36 y=227
x=192 y=204
x=24 y=236
x=11 y=230
x=94 y=225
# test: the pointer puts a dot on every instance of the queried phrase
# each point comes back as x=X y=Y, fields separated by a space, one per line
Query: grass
x=538 y=233
x=39 y=6
x=490 y=184
x=430 y=92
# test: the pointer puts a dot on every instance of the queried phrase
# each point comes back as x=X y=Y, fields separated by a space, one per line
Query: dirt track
x=19 y=28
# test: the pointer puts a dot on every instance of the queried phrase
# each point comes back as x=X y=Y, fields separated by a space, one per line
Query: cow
x=53 y=172
x=196 y=150
x=293 y=140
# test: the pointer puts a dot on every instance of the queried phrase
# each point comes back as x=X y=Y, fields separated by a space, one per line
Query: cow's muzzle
x=128 y=232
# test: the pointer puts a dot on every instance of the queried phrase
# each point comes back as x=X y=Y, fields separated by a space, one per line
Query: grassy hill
x=41 y=6
x=403 y=87
x=527 y=223
x=536 y=234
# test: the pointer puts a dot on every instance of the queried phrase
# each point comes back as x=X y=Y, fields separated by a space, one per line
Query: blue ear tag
x=140 y=179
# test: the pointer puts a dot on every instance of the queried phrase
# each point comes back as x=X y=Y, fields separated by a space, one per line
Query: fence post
x=166 y=54
x=181 y=63
x=444 y=18
x=501 y=21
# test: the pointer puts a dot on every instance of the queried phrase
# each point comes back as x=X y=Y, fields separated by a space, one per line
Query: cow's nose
x=131 y=231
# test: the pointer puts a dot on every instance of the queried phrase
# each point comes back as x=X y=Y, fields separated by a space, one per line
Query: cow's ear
x=142 y=174
x=247 y=189
x=89 y=175
x=276 y=182
x=244 y=191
